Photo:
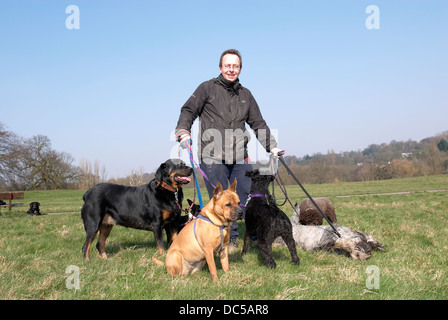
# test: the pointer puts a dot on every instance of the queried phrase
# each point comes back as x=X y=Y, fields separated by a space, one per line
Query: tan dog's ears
x=218 y=190
x=233 y=186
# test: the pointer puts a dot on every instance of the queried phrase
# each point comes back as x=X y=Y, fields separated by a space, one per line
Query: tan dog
x=208 y=234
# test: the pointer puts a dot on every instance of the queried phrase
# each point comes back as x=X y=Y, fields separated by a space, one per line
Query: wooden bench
x=11 y=196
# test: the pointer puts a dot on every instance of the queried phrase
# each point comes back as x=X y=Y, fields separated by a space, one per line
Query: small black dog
x=191 y=213
x=34 y=209
x=266 y=221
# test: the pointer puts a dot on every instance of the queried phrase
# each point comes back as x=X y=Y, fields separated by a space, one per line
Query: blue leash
x=194 y=175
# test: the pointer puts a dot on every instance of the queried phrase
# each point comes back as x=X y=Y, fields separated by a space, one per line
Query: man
x=223 y=106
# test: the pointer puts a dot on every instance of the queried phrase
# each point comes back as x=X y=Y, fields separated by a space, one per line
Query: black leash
x=315 y=204
x=279 y=180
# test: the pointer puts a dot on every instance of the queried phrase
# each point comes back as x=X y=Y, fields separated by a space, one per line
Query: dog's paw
x=296 y=262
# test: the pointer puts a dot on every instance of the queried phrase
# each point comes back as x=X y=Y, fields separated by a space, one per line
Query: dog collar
x=172 y=189
x=257 y=195
x=166 y=186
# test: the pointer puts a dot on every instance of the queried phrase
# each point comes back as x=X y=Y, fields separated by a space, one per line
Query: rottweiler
x=208 y=234
x=153 y=206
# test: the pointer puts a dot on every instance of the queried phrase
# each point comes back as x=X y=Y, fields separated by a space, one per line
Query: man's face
x=231 y=67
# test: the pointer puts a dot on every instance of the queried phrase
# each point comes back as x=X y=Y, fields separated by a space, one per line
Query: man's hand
x=184 y=138
x=277 y=152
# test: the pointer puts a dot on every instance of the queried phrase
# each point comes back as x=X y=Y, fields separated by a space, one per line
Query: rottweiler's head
x=173 y=173
x=227 y=203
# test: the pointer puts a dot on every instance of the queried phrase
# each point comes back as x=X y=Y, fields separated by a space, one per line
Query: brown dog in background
x=208 y=234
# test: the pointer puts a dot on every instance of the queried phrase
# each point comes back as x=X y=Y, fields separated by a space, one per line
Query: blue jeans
x=225 y=174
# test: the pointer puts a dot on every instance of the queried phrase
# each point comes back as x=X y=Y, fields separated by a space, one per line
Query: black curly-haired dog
x=266 y=220
x=153 y=206
x=34 y=209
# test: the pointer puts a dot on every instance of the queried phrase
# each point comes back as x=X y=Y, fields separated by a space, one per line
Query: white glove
x=277 y=152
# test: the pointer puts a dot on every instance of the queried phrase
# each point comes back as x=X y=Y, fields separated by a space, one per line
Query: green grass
x=36 y=251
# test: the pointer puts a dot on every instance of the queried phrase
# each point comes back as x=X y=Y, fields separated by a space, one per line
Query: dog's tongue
x=183 y=179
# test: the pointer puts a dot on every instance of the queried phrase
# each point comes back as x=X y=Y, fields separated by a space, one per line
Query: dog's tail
x=158 y=261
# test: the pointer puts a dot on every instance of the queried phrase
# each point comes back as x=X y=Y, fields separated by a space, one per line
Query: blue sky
x=112 y=90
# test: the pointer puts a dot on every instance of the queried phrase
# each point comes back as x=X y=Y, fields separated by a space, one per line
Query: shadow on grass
x=115 y=247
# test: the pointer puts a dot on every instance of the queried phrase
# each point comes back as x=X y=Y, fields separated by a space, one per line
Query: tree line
x=32 y=164
x=397 y=159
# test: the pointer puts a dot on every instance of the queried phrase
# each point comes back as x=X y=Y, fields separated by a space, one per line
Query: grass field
x=41 y=255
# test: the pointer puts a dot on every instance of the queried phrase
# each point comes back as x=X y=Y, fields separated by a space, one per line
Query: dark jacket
x=223 y=108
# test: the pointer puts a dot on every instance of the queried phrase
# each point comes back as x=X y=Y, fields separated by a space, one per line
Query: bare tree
x=8 y=140
x=433 y=160
x=32 y=164
x=91 y=175
x=136 y=177
x=321 y=168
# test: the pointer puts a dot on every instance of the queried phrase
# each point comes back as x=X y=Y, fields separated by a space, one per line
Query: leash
x=190 y=152
x=282 y=188
x=201 y=204
x=192 y=162
x=308 y=195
